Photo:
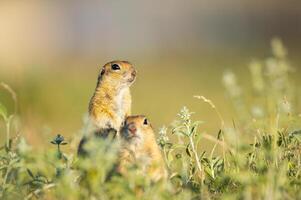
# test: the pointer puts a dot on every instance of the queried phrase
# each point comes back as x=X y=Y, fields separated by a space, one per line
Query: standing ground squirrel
x=111 y=101
x=140 y=147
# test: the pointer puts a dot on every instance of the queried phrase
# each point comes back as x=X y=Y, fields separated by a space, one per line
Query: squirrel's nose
x=134 y=73
x=132 y=128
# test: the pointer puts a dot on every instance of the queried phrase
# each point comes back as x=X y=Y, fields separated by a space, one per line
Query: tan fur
x=111 y=102
x=143 y=151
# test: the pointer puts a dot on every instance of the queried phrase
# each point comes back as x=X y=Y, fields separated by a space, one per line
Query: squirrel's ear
x=102 y=71
x=101 y=74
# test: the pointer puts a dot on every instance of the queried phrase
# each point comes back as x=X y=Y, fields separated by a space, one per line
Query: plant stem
x=197 y=160
x=38 y=191
x=59 y=151
x=165 y=157
x=7 y=133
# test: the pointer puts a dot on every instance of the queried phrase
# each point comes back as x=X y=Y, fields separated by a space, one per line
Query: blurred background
x=52 y=51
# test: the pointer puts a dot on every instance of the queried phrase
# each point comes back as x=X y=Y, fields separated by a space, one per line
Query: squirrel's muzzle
x=133 y=76
x=129 y=131
x=134 y=73
x=132 y=128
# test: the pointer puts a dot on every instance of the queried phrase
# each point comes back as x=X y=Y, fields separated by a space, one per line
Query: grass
x=256 y=156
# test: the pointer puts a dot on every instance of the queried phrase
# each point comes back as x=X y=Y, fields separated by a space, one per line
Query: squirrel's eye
x=145 y=122
x=115 y=67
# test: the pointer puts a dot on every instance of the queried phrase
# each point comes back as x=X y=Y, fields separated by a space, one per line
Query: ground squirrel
x=140 y=147
x=111 y=101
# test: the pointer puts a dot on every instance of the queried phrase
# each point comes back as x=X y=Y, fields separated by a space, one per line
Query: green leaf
x=30 y=174
x=216 y=161
x=168 y=145
x=209 y=172
x=206 y=160
x=297 y=135
x=178 y=146
x=202 y=155
x=198 y=137
x=176 y=176
x=188 y=151
x=170 y=157
x=193 y=129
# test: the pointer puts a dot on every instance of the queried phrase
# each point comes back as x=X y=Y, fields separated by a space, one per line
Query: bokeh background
x=51 y=52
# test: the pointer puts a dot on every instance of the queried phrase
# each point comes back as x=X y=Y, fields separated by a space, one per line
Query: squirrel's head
x=118 y=73
x=137 y=130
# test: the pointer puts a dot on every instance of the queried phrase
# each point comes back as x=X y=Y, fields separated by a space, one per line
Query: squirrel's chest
x=121 y=104
x=112 y=114
x=141 y=157
x=120 y=107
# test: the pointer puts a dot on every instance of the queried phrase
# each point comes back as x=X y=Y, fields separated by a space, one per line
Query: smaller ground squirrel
x=140 y=147
x=111 y=101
